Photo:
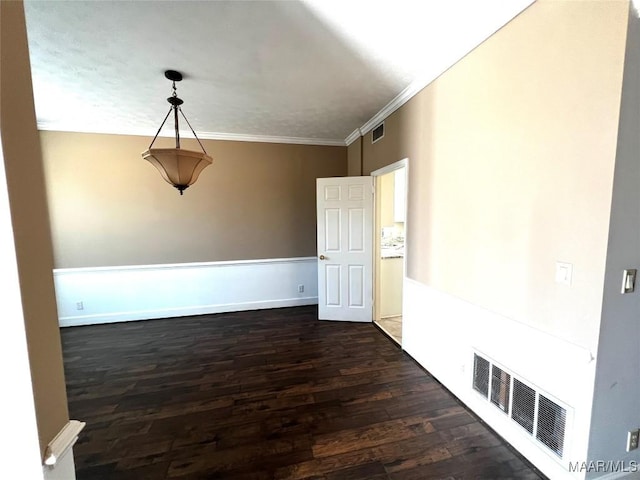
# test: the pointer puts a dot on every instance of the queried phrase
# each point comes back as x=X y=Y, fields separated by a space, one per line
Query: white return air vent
x=532 y=410
x=377 y=133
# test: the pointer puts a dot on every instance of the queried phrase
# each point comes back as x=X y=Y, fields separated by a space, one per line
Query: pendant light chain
x=175 y=104
x=180 y=168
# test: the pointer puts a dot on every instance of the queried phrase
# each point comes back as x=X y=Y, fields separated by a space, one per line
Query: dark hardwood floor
x=271 y=394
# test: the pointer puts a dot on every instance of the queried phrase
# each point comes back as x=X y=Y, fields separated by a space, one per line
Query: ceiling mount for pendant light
x=177 y=166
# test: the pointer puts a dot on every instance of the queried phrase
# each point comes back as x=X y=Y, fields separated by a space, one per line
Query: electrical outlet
x=632 y=440
x=80 y=306
x=300 y=288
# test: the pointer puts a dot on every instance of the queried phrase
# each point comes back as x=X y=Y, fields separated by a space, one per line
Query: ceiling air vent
x=377 y=133
x=540 y=417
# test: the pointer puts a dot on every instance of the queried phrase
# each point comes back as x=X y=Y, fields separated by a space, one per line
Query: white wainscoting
x=441 y=332
x=116 y=294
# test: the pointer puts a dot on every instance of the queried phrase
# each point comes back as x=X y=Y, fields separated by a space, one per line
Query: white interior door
x=345 y=248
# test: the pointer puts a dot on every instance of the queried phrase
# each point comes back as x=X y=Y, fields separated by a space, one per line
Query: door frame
x=376 y=174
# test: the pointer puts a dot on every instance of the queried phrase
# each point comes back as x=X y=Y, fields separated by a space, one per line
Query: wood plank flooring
x=271 y=394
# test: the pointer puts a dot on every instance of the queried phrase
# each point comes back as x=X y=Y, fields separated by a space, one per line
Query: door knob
x=322 y=257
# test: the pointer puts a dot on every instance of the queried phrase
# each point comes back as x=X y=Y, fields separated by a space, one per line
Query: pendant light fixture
x=177 y=166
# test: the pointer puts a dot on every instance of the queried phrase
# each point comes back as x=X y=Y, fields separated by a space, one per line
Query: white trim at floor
x=115 y=294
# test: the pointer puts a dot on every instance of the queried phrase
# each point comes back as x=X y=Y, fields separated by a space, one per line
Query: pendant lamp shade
x=177 y=166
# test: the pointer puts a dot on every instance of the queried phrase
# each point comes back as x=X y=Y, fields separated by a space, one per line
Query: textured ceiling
x=312 y=70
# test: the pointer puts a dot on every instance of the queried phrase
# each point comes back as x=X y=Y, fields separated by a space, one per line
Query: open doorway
x=389 y=251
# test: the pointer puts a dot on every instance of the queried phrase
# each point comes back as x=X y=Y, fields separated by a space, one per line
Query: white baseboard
x=441 y=332
x=115 y=294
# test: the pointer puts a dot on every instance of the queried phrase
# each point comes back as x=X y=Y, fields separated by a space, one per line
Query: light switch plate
x=628 y=280
x=632 y=440
x=564 y=272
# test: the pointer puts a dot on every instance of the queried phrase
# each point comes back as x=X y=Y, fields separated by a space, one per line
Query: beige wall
x=354 y=158
x=511 y=157
x=25 y=185
x=110 y=207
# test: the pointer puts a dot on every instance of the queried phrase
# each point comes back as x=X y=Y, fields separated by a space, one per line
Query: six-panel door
x=345 y=248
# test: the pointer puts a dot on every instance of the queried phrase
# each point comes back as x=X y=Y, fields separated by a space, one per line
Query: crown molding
x=403 y=97
x=238 y=137
x=233 y=137
x=352 y=137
